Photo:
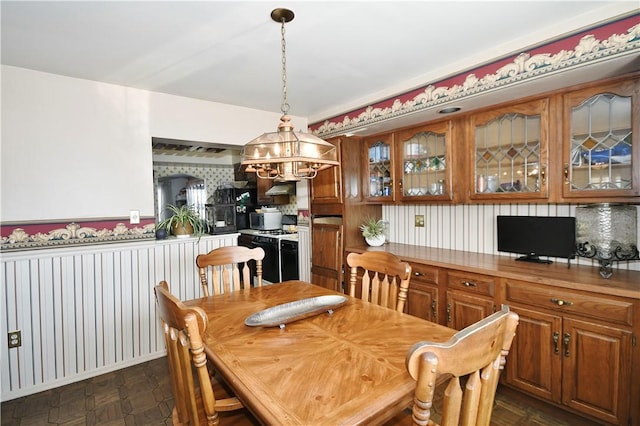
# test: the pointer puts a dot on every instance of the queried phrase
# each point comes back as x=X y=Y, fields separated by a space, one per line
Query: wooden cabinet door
x=600 y=149
x=326 y=187
x=465 y=309
x=596 y=370
x=510 y=150
x=379 y=181
x=534 y=363
x=425 y=164
x=326 y=255
x=422 y=301
x=263 y=186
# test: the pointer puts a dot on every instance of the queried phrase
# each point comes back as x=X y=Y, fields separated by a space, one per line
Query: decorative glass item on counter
x=424 y=164
x=607 y=233
x=601 y=144
x=508 y=154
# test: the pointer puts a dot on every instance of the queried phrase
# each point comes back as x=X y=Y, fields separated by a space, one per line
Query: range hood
x=282 y=189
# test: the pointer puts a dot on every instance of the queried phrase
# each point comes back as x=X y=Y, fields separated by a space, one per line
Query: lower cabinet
x=326 y=255
x=422 y=297
x=470 y=298
x=573 y=349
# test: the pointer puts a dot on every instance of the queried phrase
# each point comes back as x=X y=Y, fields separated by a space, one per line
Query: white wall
x=79 y=149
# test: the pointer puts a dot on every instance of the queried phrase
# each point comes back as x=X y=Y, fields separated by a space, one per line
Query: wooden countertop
x=580 y=277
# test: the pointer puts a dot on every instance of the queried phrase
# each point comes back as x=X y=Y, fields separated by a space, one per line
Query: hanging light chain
x=285 y=105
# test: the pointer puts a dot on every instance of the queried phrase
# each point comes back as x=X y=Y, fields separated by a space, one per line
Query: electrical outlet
x=419 y=221
x=15 y=339
x=134 y=217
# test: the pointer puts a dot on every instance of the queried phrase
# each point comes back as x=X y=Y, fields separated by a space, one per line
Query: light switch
x=134 y=217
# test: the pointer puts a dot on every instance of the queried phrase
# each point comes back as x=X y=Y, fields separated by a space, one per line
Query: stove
x=281 y=252
x=277 y=232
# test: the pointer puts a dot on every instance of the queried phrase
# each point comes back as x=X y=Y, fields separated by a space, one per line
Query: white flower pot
x=375 y=241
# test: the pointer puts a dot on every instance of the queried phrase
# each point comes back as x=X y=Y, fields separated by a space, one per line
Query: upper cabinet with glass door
x=509 y=158
x=380 y=178
x=600 y=158
x=426 y=168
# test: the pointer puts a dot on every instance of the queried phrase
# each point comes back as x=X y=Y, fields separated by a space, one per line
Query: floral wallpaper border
x=621 y=37
x=34 y=236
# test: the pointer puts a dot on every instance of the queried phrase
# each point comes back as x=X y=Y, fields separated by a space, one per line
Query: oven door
x=271 y=261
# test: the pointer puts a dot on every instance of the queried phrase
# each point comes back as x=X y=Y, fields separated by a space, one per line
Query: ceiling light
x=449 y=110
x=287 y=155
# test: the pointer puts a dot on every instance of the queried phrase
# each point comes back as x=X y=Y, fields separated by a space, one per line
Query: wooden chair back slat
x=385 y=279
x=477 y=353
x=229 y=269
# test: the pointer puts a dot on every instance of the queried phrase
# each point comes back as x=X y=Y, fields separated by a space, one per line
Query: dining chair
x=229 y=268
x=474 y=356
x=385 y=280
x=194 y=390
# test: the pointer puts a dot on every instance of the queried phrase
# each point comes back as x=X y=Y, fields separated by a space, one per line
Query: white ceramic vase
x=375 y=241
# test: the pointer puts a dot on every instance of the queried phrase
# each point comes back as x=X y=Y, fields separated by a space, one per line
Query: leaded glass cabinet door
x=510 y=155
x=380 y=178
x=425 y=154
x=598 y=156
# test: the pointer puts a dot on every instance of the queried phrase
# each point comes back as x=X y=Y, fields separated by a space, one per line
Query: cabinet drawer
x=473 y=283
x=424 y=273
x=615 y=310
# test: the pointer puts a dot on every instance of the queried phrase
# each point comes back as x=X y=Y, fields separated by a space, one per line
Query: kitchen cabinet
x=575 y=346
x=327 y=253
x=426 y=163
x=573 y=349
x=240 y=173
x=338 y=208
x=379 y=169
x=422 y=297
x=263 y=185
x=470 y=298
x=325 y=190
x=509 y=155
x=599 y=156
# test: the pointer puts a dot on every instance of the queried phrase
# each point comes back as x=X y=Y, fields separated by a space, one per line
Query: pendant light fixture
x=287 y=155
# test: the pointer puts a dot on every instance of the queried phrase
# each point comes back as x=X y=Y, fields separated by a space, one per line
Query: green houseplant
x=373 y=231
x=184 y=221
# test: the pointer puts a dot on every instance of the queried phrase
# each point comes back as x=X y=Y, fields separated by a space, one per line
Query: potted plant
x=185 y=221
x=373 y=231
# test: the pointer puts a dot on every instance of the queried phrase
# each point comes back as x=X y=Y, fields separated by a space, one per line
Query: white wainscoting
x=471 y=227
x=88 y=310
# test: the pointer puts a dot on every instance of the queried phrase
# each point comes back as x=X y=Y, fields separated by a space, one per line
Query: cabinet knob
x=418 y=274
x=566 y=173
x=561 y=302
x=468 y=283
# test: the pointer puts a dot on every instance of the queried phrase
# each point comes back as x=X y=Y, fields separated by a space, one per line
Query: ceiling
x=339 y=55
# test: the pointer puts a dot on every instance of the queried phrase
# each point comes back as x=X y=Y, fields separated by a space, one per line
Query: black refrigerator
x=246 y=200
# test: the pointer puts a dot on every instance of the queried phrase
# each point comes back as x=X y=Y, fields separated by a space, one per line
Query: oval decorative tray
x=280 y=315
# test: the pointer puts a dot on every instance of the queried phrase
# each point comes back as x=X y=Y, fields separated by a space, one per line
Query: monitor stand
x=533 y=258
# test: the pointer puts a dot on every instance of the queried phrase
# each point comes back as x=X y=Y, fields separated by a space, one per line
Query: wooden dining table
x=341 y=368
